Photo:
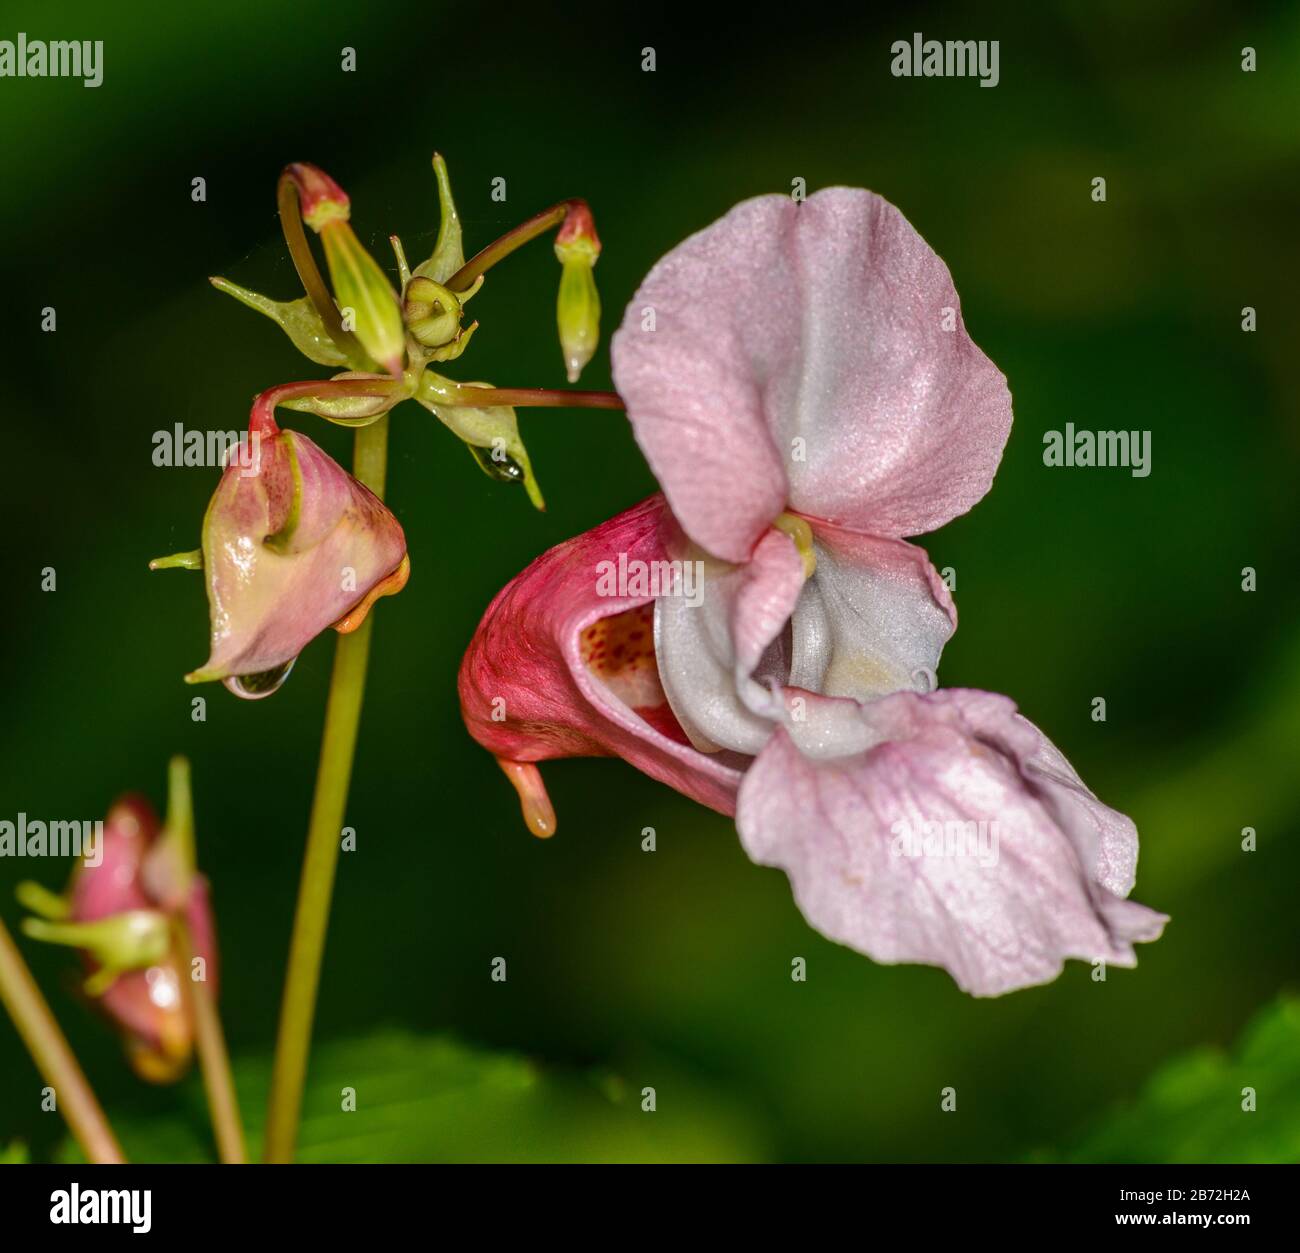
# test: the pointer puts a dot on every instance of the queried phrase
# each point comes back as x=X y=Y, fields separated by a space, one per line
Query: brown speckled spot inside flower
x=620 y=652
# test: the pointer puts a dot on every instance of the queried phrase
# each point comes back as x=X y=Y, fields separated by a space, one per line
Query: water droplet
x=257 y=686
x=504 y=468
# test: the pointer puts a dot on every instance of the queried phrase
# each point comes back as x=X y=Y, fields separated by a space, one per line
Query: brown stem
x=523 y=397
x=54 y=1058
x=214 y=1060
x=262 y=416
x=536 y=225
x=286 y=197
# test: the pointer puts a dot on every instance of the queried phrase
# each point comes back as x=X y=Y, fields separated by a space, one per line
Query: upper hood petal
x=810 y=355
x=851 y=833
x=559 y=668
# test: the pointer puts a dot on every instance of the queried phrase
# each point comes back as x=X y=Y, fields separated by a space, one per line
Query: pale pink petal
x=812 y=356
x=708 y=652
x=1107 y=840
x=563 y=662
x=850 y=832
x=872 y=619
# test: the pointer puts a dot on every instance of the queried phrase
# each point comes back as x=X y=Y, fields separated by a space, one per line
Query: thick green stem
x=53 y=1056
x=338 y=744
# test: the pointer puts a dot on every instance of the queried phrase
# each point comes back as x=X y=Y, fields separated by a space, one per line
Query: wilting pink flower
x=117 y=912
x=802 y=384
x=292 y=544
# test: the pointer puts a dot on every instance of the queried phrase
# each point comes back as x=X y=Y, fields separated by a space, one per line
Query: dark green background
x=673 y=968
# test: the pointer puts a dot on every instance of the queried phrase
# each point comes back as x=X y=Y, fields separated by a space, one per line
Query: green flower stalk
x=383 y=340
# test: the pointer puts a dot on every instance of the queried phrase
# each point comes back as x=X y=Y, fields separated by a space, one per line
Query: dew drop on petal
x=262 y=684
x=505 y=468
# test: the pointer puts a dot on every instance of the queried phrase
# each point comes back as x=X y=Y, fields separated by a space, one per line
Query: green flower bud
x=577 y=309
x=361 y=287
x=432 y=312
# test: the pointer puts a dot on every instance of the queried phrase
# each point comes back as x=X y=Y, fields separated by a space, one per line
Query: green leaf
x=1191 y=1109
x=14 y=1154
x=432 y=1100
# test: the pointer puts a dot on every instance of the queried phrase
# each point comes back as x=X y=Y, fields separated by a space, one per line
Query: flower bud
x=432 y=312
x=320 y=198
x=577 y=248
x=291 y=545
x=360 y=285
x=125 y=933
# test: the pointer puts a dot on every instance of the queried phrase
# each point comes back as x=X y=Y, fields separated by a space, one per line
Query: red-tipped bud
x=577 y=246
x=320 y=198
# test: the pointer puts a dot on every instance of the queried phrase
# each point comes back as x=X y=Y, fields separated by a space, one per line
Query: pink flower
x=117 y=911
x=801 y=382
x=292 y=544
x=558 y=670
x=957 y=836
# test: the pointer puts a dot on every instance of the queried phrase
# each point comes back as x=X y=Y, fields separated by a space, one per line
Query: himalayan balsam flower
x=292 y=544
x=807 y=395
x=118 y=912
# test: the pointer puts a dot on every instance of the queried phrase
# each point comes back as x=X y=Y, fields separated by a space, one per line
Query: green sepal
x=492 y=434
x=192 y=560
x=131 y=940
x=449 y=352
x=297 y=318
x=449 y=252
x=351 y=411
x=42 y=902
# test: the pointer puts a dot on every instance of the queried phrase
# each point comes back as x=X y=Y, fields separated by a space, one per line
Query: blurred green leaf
x=1191 y=1109
x=14 y=1154
x=432 y=1099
